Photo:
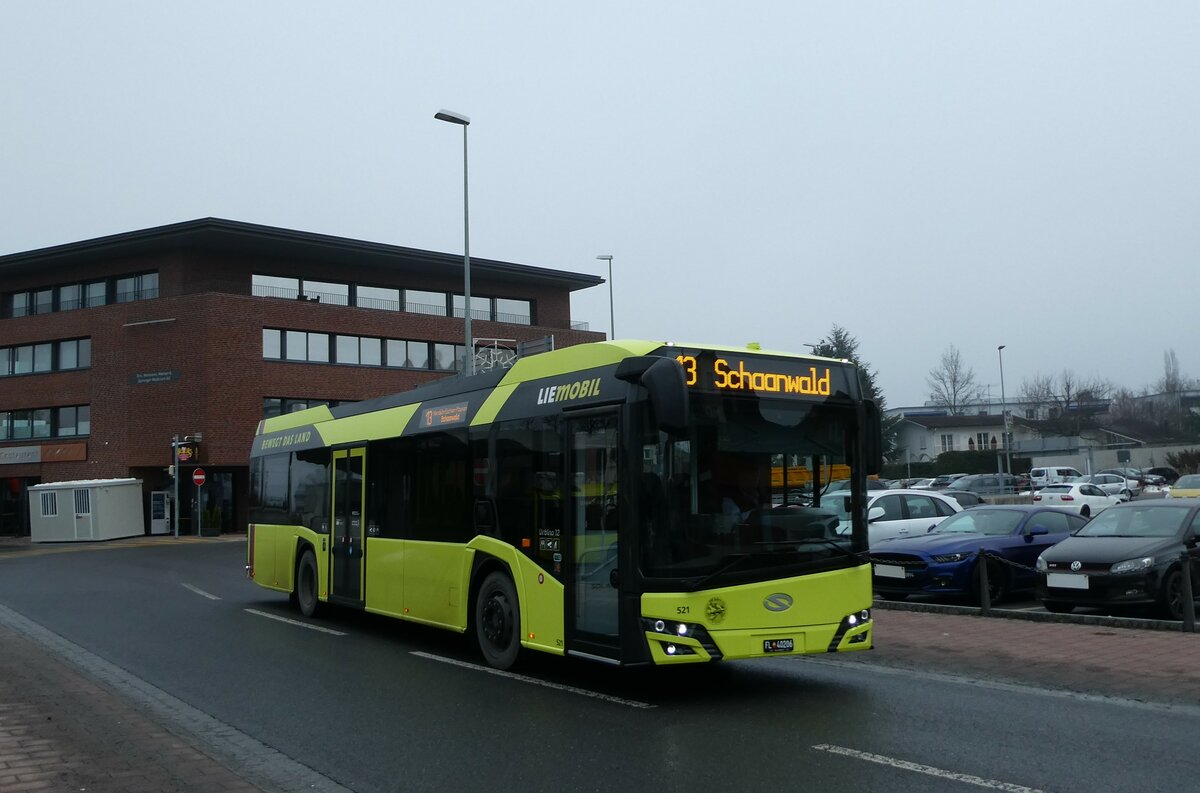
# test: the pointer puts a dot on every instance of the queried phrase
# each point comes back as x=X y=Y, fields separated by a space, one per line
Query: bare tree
x=952 y=383
x=1064 y=399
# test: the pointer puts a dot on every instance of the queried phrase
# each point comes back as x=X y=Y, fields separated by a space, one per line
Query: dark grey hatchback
x=1127 y=555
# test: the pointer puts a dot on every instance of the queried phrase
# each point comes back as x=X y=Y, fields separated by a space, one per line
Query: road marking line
x=295 y=622
x=630 y=703
x=199 y=591
x=925 y=769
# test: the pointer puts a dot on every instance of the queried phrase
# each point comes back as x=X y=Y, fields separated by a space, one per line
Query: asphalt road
x=377 y=705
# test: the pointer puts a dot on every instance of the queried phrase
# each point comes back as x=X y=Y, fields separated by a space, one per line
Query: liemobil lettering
x=580 y=389
x=739 y=379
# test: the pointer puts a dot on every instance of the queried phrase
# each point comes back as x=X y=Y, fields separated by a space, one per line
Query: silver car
x=1115 y=485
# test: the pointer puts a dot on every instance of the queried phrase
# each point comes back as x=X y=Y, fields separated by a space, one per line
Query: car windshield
x=980 y=521
x=1151 y=520
x=1188 y=482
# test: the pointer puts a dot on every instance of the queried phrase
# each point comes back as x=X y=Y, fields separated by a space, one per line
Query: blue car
x=946 y=559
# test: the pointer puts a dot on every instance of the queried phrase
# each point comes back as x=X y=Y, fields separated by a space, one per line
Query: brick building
x=112 y=347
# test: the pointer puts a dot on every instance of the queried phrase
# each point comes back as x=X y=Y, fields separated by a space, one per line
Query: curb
x=1134 y=623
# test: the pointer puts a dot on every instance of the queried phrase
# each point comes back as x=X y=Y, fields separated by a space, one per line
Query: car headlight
x=1041 y=565
x=950 y=557
x=1133 y=565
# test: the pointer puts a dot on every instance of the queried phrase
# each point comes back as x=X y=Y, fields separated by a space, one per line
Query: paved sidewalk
x=59 y=731
x=1146 y=665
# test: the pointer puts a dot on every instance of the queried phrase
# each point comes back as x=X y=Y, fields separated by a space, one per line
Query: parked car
x=1049 y=475
x=985 y=484
x=946 y=559
x=896 y=513
x=1186 y=486
x=1115 y=485
x=1128 y=555
x=844 y=484
x=1168 y=474
x=944 y=480
x=1144 y=478
x=965 y=498
x=1081 y=497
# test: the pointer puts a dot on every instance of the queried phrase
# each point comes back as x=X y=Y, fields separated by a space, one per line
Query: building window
x=947 y=443
x=137 y=287
x=516 y=312
x=326 y=292
x=982 y=439
x=45 y=422
x=481 y=307
x=43 y=301
x=68 y=297
x=52 y=356
x=347 y=349
x=274 y=286
x=418 y=302
x=370 y=351
x=377 y=297
x=272 y=344
x=18 y=304
x=96 y=294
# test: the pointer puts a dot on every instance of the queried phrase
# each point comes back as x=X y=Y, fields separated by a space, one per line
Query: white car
x=897 y=513
x=1082 y=497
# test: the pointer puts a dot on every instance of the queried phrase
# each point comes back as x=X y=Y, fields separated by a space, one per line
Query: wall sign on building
x=16 y=455
x=164 y=376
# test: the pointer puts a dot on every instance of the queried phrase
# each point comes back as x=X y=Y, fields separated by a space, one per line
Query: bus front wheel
x=306 y=584
x=498 y=621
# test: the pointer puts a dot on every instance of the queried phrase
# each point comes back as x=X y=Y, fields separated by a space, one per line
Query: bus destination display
x=722 y=373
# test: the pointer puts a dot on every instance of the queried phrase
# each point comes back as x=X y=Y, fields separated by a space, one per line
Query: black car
x=1168 y=474
x=965 y=498
x=1127 y=555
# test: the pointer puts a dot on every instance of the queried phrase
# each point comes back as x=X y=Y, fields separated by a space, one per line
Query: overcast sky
x=923 y=174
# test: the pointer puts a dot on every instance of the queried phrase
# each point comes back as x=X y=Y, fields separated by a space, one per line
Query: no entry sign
x=198 y=476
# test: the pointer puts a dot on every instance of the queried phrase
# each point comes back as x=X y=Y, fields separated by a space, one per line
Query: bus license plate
x=779 y=645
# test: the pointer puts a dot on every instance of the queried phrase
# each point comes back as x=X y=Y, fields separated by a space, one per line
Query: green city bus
x=585 y=502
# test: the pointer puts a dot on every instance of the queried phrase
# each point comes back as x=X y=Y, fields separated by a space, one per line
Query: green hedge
x=953 y=463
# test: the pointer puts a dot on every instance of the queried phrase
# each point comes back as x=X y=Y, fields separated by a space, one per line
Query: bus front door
x=347 y=546
x=593 y=588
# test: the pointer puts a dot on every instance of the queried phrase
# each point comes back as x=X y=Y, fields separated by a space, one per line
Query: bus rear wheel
x=306 y=584
x=498 y=621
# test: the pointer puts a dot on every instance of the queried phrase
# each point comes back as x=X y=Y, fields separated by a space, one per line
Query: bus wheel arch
x=495 y=618
x=305 y=588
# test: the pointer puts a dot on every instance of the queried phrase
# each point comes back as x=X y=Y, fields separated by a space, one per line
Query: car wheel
x=1059 y=608
x=1085 y=511
x=1125 y=494
x=1172 y=595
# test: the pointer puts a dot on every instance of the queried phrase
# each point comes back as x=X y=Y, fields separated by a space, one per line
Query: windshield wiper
x=860 y=556
x=734 y=561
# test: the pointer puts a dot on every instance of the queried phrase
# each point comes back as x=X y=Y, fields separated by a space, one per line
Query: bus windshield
x=736 y=501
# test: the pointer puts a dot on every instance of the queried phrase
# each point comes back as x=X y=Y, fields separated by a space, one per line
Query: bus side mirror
x=663 y=380
x=872 y=437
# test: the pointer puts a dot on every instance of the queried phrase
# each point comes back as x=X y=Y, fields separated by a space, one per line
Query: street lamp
x=612 y=331
x=1004 y=412
x=469 y=353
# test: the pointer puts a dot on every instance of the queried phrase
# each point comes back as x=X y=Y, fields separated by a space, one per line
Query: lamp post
x=469 y=352
x=1004 y=412
x=612 y=331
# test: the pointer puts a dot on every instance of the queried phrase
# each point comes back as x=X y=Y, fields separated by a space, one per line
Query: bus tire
x=498 y=621
x=306 y=584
